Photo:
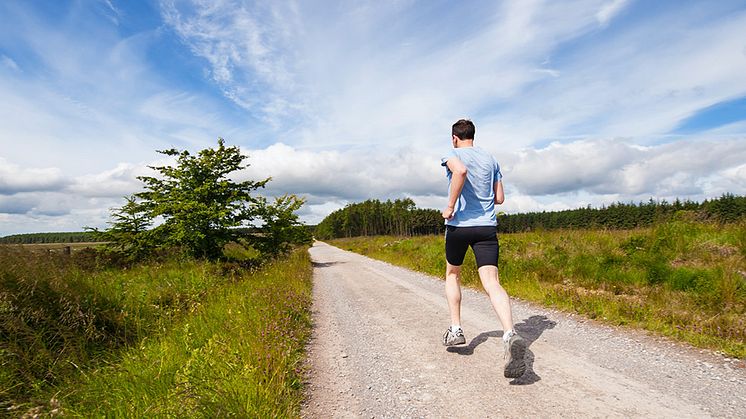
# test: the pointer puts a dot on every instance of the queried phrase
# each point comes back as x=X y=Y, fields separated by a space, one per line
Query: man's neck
x=464 y=143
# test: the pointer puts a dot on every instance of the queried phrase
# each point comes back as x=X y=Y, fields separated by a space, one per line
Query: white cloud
x=356 y=174
x=560 y=168
x=610 y=10
x=115 y=183
x=517 y=203
x=16 y=204
x=53 y=204
x=735 y=174
x=681 y=168
x=36 y=222
x=556 y=177
x=15 y=179
x=314 y=213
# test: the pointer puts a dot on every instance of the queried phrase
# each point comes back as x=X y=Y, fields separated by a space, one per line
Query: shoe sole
x=461 y=341
x=516 y=365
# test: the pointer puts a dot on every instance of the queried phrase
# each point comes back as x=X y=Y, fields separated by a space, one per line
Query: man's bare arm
x=458 y=178
x=499 y=193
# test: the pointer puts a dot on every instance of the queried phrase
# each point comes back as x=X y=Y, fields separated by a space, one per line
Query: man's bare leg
x=498 y=296
x=454 y=335
x=515 y=345
x=453 y=292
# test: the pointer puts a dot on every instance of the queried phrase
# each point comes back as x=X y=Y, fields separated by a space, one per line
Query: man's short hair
x=463 y=129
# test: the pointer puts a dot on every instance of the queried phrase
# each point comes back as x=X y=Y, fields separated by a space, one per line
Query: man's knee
x=489 y=274
x=453 y=271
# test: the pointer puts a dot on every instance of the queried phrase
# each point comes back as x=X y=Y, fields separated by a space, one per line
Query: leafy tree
x=129 y=229
x=199 y=208
x=199 y=204
x=281 y=227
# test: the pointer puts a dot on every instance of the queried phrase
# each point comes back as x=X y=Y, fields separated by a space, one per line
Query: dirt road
x=376 y=352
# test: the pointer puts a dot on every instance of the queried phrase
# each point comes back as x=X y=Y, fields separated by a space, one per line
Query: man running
x=475 y=187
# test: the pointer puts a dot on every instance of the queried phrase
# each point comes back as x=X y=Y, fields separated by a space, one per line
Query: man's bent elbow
x=461 y=172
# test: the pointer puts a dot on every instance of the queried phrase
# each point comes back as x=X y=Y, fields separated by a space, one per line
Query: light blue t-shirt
x=476 y=205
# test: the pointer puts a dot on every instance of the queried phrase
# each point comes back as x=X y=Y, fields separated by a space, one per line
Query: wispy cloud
x=111 y=11
x=610 y=10
x=8 y=63
x=246 y=46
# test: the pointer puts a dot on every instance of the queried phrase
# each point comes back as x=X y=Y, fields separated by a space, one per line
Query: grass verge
x=683 y=279
x=179 y=338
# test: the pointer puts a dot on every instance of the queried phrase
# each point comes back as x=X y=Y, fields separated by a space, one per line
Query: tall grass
x=682 y=278
x=238 y=354
x=175 y=338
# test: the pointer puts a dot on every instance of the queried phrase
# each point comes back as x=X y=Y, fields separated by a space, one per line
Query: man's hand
x=448 y=212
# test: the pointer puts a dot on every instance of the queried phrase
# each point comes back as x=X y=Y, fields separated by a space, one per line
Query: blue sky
x=582 y=102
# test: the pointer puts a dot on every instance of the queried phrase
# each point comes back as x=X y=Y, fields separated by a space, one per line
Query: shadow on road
x=478 y=340
x=325 y=264
x=530 y=329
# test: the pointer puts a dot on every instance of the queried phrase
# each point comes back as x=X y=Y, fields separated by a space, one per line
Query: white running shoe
x=454 y=337
x=515 y=353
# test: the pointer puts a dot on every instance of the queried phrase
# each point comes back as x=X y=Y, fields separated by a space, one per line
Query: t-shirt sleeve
x=498 y=173
x=448 y=156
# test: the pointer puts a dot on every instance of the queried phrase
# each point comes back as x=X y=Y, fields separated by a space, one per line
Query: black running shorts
x=482 y=239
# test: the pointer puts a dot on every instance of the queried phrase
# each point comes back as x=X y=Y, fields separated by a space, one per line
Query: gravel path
x=376 y=352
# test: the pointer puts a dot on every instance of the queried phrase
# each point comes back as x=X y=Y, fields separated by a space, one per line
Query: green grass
x=682 y=279
x=176 y=338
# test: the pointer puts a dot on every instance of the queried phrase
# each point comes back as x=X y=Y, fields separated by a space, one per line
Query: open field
x=683 y=279
x=175 y=338
x=56 y=246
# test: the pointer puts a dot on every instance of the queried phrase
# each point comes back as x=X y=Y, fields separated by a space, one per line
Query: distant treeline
x=401 y=217
x=373 y=217
x=36 y=238
x=726 y=209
